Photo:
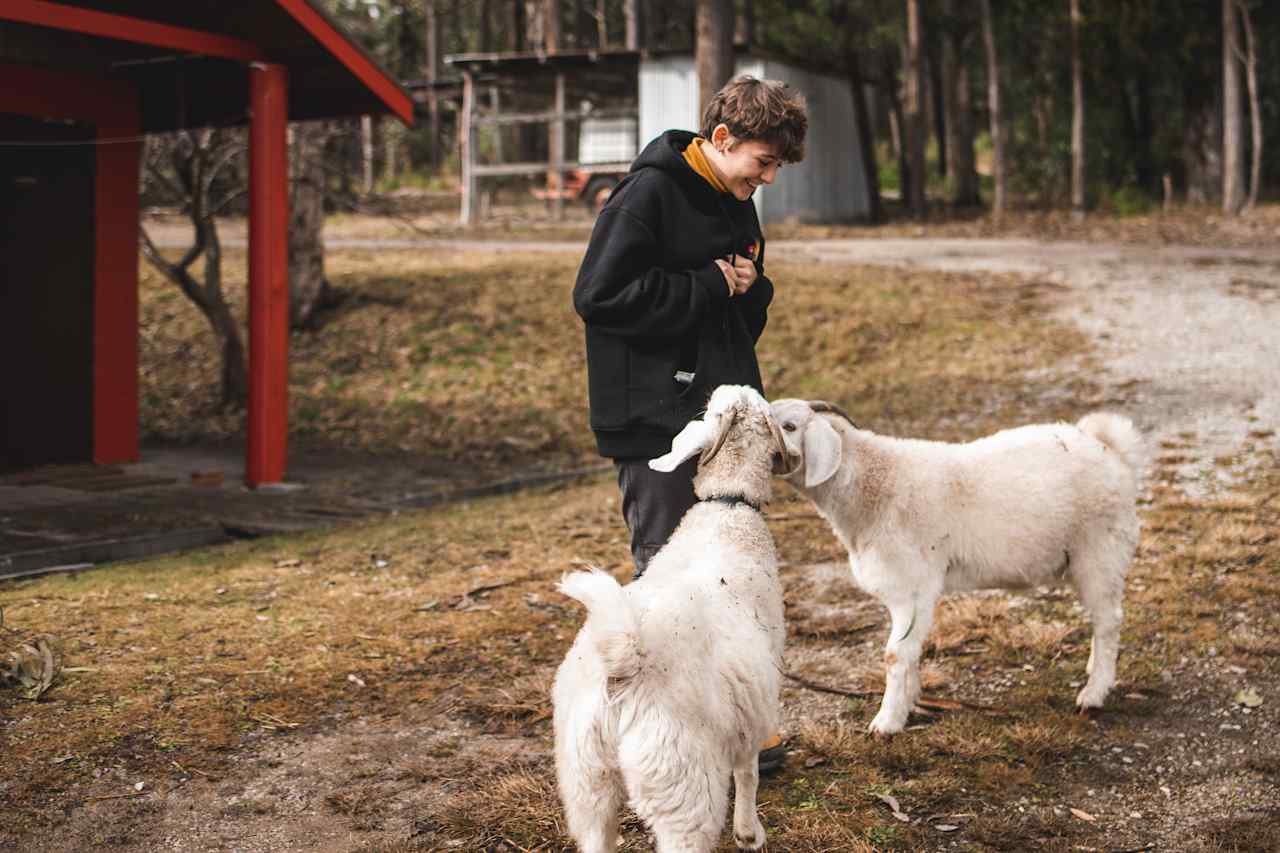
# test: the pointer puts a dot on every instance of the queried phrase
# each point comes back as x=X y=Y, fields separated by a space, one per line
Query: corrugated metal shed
x=829 y=185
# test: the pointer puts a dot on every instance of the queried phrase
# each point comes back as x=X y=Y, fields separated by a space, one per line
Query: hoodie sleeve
x=620 y=291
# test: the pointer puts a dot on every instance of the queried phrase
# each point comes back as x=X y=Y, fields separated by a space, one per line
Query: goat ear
x=690 y=442
x=822 y=452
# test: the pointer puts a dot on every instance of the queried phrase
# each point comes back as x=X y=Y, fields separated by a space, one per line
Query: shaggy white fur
x=1025 y=506
x=674 y=680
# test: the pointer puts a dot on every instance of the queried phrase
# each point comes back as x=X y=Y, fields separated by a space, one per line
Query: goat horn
x=824 y=406
x=725 y=425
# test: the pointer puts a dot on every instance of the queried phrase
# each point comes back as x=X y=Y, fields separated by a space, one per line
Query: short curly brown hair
x=768 y=110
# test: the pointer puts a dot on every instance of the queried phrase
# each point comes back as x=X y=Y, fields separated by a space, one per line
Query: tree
x=634 y=38
x=430 y=72
x=1250 y=59
x=713 y=51
x=1077 y=117
x=993 y=108
x=189 y=167
x=914 y=110
x=309 y=290
x=551 y=25
x=956 y=36
x=1233 y=198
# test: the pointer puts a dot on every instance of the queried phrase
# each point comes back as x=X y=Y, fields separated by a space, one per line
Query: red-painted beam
x=268 y=424
x=125 y=28
x=350 y=56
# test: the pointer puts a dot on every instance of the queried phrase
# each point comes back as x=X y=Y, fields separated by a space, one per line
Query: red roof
x=189 y=58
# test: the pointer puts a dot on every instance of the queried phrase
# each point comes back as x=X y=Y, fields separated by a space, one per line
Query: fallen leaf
x=1083 y=815
x=1250 y=698
x=945 y=827
x=892 y=803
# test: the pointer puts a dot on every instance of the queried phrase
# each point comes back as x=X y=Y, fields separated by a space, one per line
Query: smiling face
x=742 y=164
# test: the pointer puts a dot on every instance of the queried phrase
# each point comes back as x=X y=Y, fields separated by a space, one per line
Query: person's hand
x=746 y=269
x=739 y=275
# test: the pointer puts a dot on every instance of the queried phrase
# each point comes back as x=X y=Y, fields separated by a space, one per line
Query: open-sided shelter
x=81 y=81
x=829 y=185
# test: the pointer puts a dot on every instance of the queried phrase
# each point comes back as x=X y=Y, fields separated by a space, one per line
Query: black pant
x=653 y=504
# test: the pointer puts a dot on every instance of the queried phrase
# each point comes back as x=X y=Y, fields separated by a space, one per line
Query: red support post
x=115 y=291
x=268 y=427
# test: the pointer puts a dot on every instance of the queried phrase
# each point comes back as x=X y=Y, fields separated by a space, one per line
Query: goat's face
x=707 y=435
x=813 y=450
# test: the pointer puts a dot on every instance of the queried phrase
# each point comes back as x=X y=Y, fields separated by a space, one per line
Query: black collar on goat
x=732 y=500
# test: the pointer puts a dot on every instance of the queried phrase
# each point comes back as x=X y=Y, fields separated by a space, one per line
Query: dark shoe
x=773 y=754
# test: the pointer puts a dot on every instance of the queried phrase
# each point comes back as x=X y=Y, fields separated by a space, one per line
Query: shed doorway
x=46 y=292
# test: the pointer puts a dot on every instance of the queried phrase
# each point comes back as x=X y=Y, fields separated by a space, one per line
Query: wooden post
x=466 y=141
x=268 y=418
x=557 y=151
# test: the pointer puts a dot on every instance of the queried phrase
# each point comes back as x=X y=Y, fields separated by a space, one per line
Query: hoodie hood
x=666 y=152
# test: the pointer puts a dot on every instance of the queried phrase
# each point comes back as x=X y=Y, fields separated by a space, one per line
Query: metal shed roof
x=190 y=59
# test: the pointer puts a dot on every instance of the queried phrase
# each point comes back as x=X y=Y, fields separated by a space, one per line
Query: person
x=673 y=294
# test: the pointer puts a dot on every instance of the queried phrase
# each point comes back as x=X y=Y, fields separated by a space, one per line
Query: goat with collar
x=675 y=679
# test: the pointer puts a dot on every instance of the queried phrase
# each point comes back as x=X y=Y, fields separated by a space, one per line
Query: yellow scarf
x=698 y=162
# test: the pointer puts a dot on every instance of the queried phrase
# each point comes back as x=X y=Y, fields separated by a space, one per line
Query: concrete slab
x=178 y=498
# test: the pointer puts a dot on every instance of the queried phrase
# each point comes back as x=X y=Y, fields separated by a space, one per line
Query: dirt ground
x=1184 y=758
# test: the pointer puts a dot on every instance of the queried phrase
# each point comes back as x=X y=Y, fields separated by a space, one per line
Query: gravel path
x=1196 y=332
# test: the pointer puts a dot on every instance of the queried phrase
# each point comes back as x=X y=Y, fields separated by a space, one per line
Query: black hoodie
x=654 y=301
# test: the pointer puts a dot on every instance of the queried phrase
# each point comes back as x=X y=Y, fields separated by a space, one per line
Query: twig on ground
x=925 y=702
x=837 y=691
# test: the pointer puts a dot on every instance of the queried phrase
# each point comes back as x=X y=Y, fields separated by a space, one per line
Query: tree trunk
x=308 y=288
x=897 y=129
x=602 y=23
x=516 y=32
x=714 y=48
x=366 y=152
x=1202 y=144
x=997 y=126
x=430 y=71
x=1255 y=114
x=1232 y=139
x=993 y=107
x=935 y=98
x=196 y=161
x=551 y=25
x=866 y=139
x=535 y=31
x=914 y=108
x=744 y=24
x=962 y=175
x=391 y=151
x=631 y=12
x=1077 y=117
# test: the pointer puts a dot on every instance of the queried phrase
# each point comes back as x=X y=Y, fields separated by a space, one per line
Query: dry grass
x=472 y=363
x=183 y=664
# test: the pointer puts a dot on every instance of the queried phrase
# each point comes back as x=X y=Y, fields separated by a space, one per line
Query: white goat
x=1022 y=507
x=674 y=680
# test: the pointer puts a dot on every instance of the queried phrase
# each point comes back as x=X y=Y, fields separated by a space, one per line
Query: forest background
x=967 y=108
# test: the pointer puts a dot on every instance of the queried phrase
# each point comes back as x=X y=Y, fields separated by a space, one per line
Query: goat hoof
x=1088 y=699
x=883 y=727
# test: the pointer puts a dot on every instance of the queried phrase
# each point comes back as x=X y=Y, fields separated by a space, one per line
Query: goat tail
x=1118 y=434
x=611 y=621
